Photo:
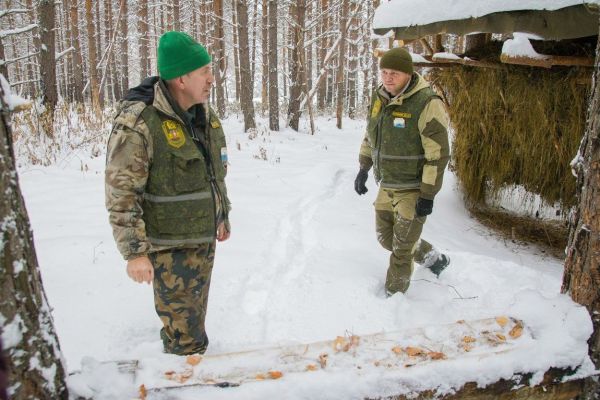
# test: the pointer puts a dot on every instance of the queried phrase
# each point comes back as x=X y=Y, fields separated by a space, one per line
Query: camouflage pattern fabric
x=128 y=158
x=130 y=154
x=398 y=230
x=181 y=284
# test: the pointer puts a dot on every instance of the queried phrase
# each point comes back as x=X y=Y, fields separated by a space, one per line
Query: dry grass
x=550 y=236
x=516 y=126
x=73 y=130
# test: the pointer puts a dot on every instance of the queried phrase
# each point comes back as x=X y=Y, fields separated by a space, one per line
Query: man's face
x=394 y=81
x=197 y=85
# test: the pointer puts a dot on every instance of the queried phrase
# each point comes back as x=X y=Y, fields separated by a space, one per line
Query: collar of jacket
x=417 y=82
x=165 y=103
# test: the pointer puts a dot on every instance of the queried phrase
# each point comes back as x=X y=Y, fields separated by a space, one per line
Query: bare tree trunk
x=332 y=70
x=254 y=34
x=169 y=25
x=341 y=63
x=124 y=68
x=324 y=44
x=219 y=54
x=375 y=65
x=110 y=75
x=353 y=62
x=308 y=57
x=3 y=69
x=33 y=67
x=297 y=69
x=99 y=47
x=66 y=62
x=273 y=68
x=92 y=62
x=32 y=351
x=236 y=46
x=46 y=12
x=247 y=81
x=176 y=17
x=265 y=57
x=582 y=266
x=285 y=53
x=77 y=58
x=143 y=38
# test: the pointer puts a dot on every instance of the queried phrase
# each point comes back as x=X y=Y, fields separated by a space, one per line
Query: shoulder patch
x=215 y=123
x=129 y=113
x=376 y=108
x=174 y=133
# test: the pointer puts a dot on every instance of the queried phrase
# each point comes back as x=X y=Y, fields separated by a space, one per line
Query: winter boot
x=439 y=265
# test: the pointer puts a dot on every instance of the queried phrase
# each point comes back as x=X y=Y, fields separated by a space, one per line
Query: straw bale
x=515 y=126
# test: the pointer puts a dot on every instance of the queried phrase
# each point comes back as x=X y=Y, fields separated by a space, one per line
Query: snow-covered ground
x=302 y=265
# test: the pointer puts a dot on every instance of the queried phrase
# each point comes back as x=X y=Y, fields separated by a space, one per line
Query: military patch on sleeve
x=215 y=124
x=173 y=133
x=400 y=114
x=376 y=108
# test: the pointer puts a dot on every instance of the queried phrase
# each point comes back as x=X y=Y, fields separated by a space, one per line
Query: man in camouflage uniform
x=165 y=188
x=406 y=143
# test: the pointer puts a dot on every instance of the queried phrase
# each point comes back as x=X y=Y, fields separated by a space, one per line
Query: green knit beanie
x=178 y=54
x=398 y=59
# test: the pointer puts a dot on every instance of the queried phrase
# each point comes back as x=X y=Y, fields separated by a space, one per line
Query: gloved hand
x=359 y=182
x=424 y=207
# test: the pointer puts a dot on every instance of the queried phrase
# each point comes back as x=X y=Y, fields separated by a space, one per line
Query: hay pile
x=516 y=126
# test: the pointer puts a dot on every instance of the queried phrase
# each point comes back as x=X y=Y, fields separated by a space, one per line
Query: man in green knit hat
x=406 y=143
x=165 y=188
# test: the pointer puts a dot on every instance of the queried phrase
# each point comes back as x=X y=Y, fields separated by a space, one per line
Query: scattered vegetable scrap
x=516 y=331
x=436 y=355
x=194 y=359
x=143 y=392
x=275 y=374
x=342 y=343
x=502 y=321
x=179 y=377
x=311 y=367
x=468 y=339
x=414 y=351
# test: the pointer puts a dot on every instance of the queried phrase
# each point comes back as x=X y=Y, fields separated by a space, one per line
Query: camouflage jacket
x=414 y=135
x=129 y=159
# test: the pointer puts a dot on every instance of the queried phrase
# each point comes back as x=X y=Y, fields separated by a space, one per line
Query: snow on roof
x=401 y=13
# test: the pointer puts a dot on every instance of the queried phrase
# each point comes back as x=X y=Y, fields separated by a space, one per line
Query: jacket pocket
x=189 y=172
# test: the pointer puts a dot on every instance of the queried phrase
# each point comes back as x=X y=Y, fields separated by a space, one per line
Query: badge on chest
x=399 y=123
x=173 y=133
x=400 y=118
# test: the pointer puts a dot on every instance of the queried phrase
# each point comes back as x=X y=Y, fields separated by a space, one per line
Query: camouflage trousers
x=181 y=283
x=399 y=231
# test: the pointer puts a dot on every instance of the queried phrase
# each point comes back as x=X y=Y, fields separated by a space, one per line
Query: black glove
x=359 y=182
x=424 y=207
